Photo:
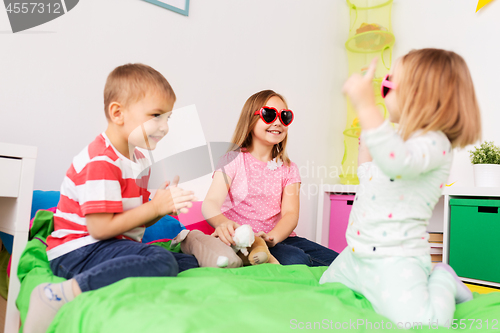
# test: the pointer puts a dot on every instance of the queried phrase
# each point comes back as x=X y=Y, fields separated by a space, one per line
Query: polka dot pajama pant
x=401 y=288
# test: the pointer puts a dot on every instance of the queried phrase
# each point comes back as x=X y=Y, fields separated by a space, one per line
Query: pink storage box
x=340 y=208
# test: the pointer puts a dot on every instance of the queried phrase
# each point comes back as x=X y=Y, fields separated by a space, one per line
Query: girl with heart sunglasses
x=257 y=184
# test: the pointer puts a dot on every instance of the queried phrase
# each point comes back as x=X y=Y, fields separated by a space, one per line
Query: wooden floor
x=481 y=289
x=3 y=308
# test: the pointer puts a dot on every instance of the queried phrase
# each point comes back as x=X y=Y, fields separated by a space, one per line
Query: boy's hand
x=172 y=200
x=270 y=241
x=359 y=89
x=225 y=232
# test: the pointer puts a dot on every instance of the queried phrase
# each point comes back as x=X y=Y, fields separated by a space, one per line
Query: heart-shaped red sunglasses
x=386 y=86
x=268 y=114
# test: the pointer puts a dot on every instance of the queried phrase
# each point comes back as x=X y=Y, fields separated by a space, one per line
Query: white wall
x=454 y=25
x=52 y=76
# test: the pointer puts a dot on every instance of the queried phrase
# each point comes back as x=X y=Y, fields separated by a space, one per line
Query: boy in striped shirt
x=104 y=206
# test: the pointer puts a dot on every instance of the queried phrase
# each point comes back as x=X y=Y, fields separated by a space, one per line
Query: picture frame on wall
x=178 y=6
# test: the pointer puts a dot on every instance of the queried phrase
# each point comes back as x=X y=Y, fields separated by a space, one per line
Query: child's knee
x=165 y=262
x=295 y=258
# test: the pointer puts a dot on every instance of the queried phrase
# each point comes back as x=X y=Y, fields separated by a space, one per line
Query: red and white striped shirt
x=100 y=180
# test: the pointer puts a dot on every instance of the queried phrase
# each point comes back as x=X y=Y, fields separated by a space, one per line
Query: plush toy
x=212 y=252
x=208 y=250
x=251 y=249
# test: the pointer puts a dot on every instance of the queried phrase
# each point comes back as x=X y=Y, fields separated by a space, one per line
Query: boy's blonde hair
x=242 y=136
x=435 y=93
x=129 y=83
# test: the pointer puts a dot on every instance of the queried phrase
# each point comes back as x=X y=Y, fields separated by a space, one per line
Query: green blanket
x=264 y=298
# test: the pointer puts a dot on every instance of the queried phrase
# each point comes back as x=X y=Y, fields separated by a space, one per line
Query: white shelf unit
x=17 y=173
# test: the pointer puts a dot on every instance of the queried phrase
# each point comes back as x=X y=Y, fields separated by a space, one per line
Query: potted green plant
x=486 y=164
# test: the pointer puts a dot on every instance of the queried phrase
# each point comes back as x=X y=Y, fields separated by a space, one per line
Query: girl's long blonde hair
x=435 y=93
x=242 y=136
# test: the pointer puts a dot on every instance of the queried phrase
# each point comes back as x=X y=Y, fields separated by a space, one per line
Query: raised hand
x=359 y=88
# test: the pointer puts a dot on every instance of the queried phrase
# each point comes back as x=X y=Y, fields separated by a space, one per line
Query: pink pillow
x=203 y=226
x=193 y=216
x=194 y=219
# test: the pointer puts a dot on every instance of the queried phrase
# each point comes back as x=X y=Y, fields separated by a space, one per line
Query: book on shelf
x=436 y=257
x=436 y=247
x=435 y=237
x=436 y=250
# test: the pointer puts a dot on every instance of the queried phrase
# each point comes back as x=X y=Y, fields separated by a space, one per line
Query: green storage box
x=475 y=238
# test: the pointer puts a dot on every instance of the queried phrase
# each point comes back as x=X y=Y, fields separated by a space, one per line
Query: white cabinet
x=17 y=173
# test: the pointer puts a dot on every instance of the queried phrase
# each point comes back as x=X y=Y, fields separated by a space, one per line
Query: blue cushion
x=44 y=200
x=167 y=227
x=41 y=200
x=7 y=241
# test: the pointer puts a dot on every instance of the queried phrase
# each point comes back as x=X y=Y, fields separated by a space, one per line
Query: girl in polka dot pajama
x=258 y=185
x=402 y=173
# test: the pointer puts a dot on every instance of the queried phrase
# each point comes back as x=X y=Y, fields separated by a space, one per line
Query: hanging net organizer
x=370 y=36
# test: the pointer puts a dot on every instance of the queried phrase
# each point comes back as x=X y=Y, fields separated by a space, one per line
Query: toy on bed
x=212 y=252
x=251 y=249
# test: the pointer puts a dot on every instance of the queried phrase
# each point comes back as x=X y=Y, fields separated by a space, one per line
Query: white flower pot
x=486 y=175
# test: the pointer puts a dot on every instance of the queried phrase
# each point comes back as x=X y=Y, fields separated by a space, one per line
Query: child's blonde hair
x=435 y=93
x=129 y=83
x=242 y=137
